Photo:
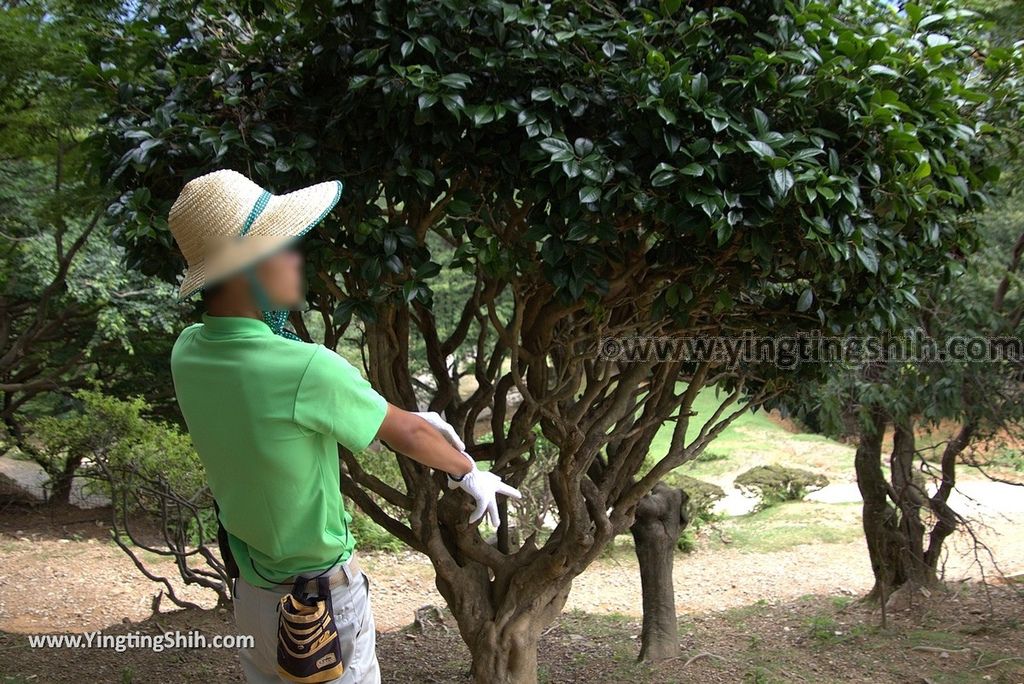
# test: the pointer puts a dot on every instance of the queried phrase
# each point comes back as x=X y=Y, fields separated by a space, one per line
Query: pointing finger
x=507 y=490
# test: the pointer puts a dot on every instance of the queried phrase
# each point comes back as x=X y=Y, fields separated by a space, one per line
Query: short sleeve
x=334 y=399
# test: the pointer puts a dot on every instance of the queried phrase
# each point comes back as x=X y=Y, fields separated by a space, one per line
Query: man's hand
x=427 y=438
x=484 y=487
x=479 y=484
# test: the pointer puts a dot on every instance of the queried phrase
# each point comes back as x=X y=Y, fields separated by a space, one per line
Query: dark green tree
x=956 y=371
x=599 y=170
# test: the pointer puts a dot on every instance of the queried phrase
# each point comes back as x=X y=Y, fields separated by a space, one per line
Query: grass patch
x=596 y=626
x=935 y=638
x=792 y=524
x=753 y=439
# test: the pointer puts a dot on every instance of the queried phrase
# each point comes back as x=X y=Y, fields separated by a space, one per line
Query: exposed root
x=998 y=662
x=702 y=654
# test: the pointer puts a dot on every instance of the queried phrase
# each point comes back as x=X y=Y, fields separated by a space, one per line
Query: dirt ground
x=775 y=616
x=969 y=634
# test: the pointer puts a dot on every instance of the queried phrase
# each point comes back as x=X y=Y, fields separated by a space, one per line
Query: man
x=266 y=412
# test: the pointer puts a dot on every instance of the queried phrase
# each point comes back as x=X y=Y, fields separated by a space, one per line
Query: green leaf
x=589 y=194
x=426 y=100
x=698 y=85
x=723 y=232
x=782 y=182
x=667 y=114
x=423 y=177
x=672 y=140
x=583 y=146
x=429 y=43
x=882 y=70
x=555 y=145
x=359 y=81
x=428 y=269
x=762 y=149
x=454 y=104
x=806 y=298
x=761 y=120
x=663 y=174
x=541 y=94
x=869 y=258
x=456 y=81
x=262 y=134
x=692 y=169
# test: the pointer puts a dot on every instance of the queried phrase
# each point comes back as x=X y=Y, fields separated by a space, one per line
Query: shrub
x=153 y=477
x=703 y=497
x=773 y=484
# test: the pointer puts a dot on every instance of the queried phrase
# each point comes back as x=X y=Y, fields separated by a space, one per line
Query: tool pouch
x=308 y=646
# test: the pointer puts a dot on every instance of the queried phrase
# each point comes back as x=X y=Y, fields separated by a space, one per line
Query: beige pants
x=256 y=614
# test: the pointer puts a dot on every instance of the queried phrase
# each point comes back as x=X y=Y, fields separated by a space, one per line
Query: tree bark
x=946 y=518
x=909 y=496
x=877 y=516
x=503 y=646
x=507 y=654
x=61 y=480
x=893 y=526
x=660 y=517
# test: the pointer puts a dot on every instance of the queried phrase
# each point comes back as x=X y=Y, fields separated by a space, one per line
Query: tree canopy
x=593 y=170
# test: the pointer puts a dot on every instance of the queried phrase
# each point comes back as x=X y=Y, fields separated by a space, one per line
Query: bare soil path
x=101 y=587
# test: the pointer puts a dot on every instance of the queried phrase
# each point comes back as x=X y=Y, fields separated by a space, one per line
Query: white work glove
x=483 y=486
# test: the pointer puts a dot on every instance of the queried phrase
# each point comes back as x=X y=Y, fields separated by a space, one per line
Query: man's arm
x=408 y=434
x=427 y=438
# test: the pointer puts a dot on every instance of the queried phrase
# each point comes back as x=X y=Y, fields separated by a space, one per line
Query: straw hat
x=223 y=223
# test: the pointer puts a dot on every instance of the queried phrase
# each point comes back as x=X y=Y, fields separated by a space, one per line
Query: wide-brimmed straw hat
x=223 y=223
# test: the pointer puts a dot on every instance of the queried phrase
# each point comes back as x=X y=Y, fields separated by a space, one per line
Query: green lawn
x=791 y=524
x=754 y=439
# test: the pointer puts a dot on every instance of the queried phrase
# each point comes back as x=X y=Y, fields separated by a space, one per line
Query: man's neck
x=223 y=306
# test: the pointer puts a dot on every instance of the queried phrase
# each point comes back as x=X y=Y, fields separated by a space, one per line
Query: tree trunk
x=508 y=654
x=878 y=517
x=910 y=496
x=61 y=480
x=946 y=518
x=660 y=517
x=503 y=648
x=893 y=527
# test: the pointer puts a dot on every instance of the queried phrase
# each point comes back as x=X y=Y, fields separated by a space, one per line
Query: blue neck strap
x=274 y=318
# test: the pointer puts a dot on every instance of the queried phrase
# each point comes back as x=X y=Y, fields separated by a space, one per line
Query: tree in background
x=970 y=402
x=69 y=312
x=969 y=405
x=600 y=172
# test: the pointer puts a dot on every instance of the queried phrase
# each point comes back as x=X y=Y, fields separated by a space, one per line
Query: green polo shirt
x=266 y=415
